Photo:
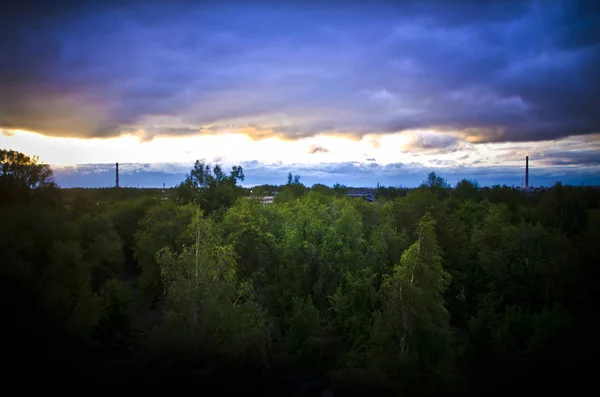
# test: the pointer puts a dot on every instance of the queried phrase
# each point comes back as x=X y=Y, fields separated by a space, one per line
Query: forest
x=454 y=290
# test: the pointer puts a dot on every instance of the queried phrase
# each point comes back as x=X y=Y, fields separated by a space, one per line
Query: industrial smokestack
x=526 y=171
x=117 y=174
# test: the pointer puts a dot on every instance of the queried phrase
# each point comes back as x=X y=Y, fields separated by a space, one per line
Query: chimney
x=117 y=174
x=526 y=171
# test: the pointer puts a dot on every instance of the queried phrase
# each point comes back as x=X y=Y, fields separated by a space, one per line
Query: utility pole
x=117 y=174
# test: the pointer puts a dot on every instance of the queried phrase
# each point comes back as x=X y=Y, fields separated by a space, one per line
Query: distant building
x=267 y=199
x=366 y=194
x=263 y=199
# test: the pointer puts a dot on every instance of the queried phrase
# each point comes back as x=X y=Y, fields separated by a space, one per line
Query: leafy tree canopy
x=212 y=189
x=23 y=179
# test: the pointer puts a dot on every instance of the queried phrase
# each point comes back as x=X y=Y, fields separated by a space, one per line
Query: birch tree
x=411 y=333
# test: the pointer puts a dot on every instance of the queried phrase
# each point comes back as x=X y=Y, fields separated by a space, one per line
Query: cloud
x=6 y=132
x=394 y=166
x=5 y=124
x=577 y=158
x=155 y=132
x=478 y=72
x=317 y=149
x=431 y=142
x=441 y=162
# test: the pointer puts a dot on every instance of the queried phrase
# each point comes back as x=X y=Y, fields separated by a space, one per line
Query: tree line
x=434 y=289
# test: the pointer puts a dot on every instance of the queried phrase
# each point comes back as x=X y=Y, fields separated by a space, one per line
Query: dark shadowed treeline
x=433 y=290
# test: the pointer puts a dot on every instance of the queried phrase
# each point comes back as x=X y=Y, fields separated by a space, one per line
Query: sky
x=357 y=93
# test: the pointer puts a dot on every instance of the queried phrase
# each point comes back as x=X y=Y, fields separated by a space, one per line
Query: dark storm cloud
x=431 y=142
x=495 y=71
x=580 y=157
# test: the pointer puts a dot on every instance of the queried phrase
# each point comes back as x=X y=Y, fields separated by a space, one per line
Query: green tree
x=385 y=248
x=302 y=330
x=353 y=303
x=247 y=229
x=66 y=294
x=24 y=180
x=390 y=193
x=211 y=189
x=164 y=225
x=370 y=214
x=117 y=319
x=126 y=216
x=209 y=312
x=292 y=190
x=499 y=257
x=411 y=334
x=405 y=212
x=322 y=237
x=466 y=190
x=102 y=247
x=293 y=180
x=320 y=188
x=339 y=189
x=565 y=208
x=437 y=185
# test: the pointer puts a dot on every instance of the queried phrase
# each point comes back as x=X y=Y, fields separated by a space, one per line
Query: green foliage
x=291 y=192
x=126 y=216
x=339 y=190
x=414 y=318
x=264 y=190
x=386 y=246
x=437 y=185
x=566 y=209
x=431 y=290
x=370 y=214
x=302 y=330
x=390 y=193
x=353 y=304
x=65 y=290
x=466 y=190
x=117 y=302
x=164 y=225
x=512 y=197
x=247 y=229
x=208 y=311
x=27 y=234
x=23 y=180
x=212 y=189
x=548 y=326
x=405 y=212
x=320 y=188
x=102 y=247
x=293 y=180
x=322 y=239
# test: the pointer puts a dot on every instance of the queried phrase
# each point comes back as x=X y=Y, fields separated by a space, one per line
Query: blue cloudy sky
x=349 y=92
